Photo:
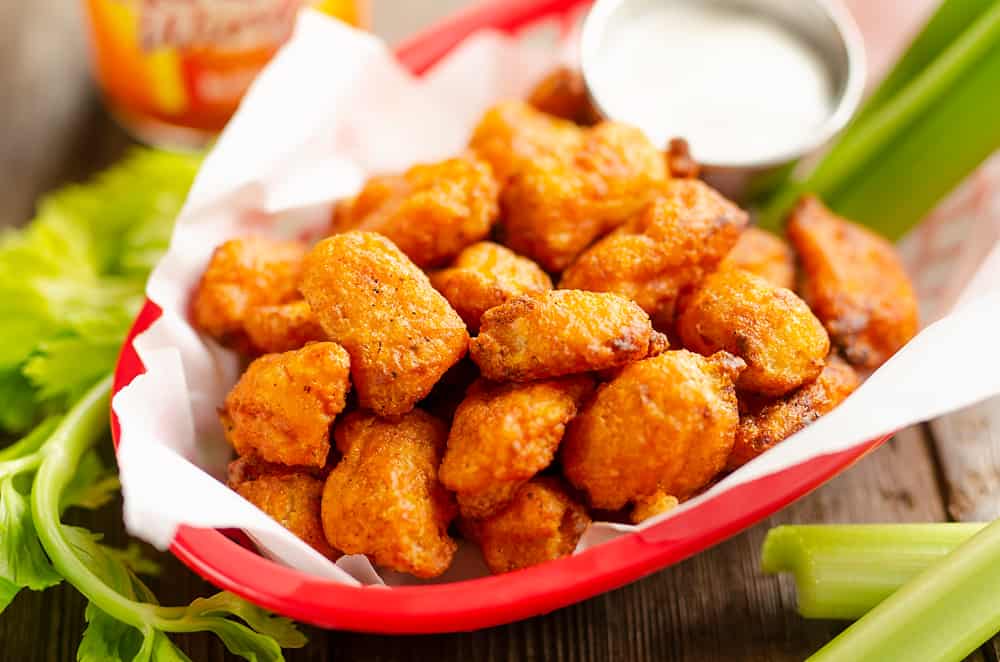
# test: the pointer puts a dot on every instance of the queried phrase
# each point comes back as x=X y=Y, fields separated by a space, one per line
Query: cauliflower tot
x=563 y=93
x=282 y=328
x=765 y=254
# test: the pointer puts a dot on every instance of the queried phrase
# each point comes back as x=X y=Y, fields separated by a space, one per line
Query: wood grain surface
x=715 y=606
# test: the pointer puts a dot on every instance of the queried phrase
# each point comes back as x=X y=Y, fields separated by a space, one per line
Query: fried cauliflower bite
x=282 y=328
x=553 y=209
x=855 y=282
x=431 y=212
x=291 y=496
x=563 y=93
x=542 y=523
x=664 y=250
x=504 y=434
x=768 y=424
x=283 y=405
x=242 y=274
x=486 y=275
x=384 y=500
x=665 y=424
x=680 y=163
x=561 y=332
x=401 y=334
x=769 y=327
x=765 y=254
x=651 y=506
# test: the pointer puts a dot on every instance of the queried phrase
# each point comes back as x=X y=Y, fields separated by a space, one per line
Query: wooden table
x=716 y=606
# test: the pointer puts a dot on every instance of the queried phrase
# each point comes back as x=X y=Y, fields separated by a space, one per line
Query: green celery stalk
x=844 y=571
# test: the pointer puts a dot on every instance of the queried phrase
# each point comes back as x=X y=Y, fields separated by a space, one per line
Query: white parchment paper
x=333 y=107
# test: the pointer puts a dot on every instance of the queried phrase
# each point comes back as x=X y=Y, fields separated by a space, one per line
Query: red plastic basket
x=504 y=598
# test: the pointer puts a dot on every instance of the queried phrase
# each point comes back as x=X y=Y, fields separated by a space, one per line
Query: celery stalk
x=844 y=571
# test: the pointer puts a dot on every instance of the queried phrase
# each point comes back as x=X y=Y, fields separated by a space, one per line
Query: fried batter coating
x=283 y=405
x=856 y=284
x=400 y=332
x=291 y=496
x=665 y=424
x=502 y=435
x=431 y=212
x=244 y=273
x=769 y=327
x=667 y=248
x=764 y=426
x=282 y=328
x=486 y=275
x=553 y=209
x=542 y=523
x=560 y=332
x=563 y=93
x=384 y=500
x=680 y=163
x=765 y=254
x=651 y=506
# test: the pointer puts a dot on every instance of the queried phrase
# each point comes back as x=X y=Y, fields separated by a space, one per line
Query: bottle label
x=226 y=25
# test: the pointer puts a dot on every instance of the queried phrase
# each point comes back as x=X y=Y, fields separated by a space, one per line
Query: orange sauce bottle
x=174 y=71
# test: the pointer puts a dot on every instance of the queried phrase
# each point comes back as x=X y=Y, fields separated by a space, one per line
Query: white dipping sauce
x=738 y=86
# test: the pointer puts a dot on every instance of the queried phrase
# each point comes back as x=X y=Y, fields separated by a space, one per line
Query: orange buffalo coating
x=560 y=332
x=769 y=327
x=542 y=523
x=291 y=496
x=765 y=254
x=244 y=273
x=282 y=327
x=283 y=405
x=771 y=423
x=486 y=275
x=856 y=284
x=555 y=208
x=668 y=247
x=651 y=506
x=431 y=212
x=400 y=332
x=502 y=435
x=665 y=424
x=384 y=500
x=563 y=93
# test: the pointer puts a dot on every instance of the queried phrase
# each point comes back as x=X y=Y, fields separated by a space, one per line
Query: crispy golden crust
x=400 y=332
x=560 y=332
x=486 y=275
x=283 y=405
x=282 y=328
x=553 y=209
x=765 y=254
x=384 y=499
x=502 y=435
x=542 y=523
x=856 y=284
x=769 y=327
x=664 y=424
x=244 y=273
x=765 y=425
x=651 y=506
x=563 y=93
x=431 y=212
x=670 y=246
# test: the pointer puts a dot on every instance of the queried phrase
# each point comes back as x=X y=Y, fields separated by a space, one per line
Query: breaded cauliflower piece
x=502 y=435
x=561 y=332
x=665 y=424
x=651 y=506
x=486 y=275
x=680 y=163
x=282 y=328
x=855 y=283
x=563 y=93
x=291 y=496
x=553 y=209
x=765 y=254
x=431 y=212
x=242 y=274
x=384 y=499
x=766 y=425
x=283 y=405
x=400 y=332
x=542 y=523
x=769 y=327
x=664 y=250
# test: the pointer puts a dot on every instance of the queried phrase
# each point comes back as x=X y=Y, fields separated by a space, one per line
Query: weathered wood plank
x=968 y=444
